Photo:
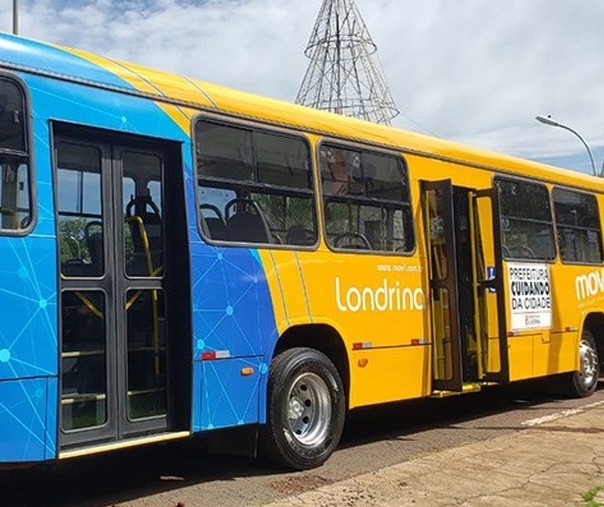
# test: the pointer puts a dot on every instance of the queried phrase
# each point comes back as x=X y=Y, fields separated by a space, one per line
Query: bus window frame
x=584 y=192
x=498 y=176
x=378 y=150
x=231 y=121
x=28 y=139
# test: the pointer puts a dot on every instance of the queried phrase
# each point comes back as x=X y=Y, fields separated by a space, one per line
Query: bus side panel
x=28 y=330
x=233 y=324
x=29 y=278
x=389 y=372
x=232 y=308
x=520 y=353
x=28 y=299
x=230 y=394
x=23 y=424
x=378 y=301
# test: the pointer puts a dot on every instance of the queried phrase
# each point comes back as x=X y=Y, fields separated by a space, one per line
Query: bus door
x=460 y=299
x=114 y=283
x=437 y=203
x=489 y=293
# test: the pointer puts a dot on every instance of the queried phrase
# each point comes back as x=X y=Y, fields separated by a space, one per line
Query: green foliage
x=589 y=497
x=72 y=242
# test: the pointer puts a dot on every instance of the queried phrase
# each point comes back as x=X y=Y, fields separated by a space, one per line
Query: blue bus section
x=43 y=57
x=234 y=329
x=27 y=419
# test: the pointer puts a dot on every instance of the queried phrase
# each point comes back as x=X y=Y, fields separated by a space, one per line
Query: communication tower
x=342 y=76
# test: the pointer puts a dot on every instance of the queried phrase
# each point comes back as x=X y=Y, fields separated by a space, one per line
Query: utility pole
x=16 y=17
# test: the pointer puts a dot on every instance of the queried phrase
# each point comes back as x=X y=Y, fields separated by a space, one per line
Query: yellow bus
x=183 y=258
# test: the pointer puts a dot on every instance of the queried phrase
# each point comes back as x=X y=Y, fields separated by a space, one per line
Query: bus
x=179 y=259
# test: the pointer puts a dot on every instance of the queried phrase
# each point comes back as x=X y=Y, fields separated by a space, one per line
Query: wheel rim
x=589 y=363
x=309 y=409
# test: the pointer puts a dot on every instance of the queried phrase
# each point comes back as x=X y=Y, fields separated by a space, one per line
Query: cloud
x=244 y=44
x=468 y=70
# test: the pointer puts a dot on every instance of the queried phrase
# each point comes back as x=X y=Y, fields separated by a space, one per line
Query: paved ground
x=548 y=464
x=376 y=439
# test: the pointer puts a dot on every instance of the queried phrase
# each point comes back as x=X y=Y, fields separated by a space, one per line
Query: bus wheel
x=306 y=409
x=583 y=383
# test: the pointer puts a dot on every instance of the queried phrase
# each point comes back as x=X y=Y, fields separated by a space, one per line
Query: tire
x=583 y=383
x=306 y=410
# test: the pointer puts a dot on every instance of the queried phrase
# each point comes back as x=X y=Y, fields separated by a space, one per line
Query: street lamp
x=547 y=120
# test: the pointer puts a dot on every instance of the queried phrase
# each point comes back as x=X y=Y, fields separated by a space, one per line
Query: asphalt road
x=183 y=475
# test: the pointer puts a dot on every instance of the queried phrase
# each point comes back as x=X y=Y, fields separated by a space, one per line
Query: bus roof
x=17 y=53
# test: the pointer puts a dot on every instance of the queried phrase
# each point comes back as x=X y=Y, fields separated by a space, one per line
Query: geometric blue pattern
x=232 y=311
x=23 y=410
x=28 y=300
x=232 y=308
x=230 y=301
x=228 y=398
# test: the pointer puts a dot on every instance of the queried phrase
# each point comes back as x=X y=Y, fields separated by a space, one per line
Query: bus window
x=366 y=200
x=254 y=186
x=527 y=231
x=15 y=206
x=80 y=210
x=143 y=243
x=578 y=226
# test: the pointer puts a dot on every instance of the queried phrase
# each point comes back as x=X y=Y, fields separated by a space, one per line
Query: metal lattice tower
x=342 y=76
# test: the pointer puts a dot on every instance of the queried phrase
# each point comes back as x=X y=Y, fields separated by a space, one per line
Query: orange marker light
x=363 y=362
x=246 y=372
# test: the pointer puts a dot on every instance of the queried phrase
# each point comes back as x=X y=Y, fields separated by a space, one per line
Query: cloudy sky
x=477 y=71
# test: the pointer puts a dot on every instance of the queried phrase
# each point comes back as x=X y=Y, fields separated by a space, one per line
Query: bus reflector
x=363 y=362
x=246 y=372
x=362 y=345
x=210 y=355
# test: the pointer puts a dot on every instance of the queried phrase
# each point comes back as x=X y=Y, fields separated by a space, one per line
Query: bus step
x=465 y=388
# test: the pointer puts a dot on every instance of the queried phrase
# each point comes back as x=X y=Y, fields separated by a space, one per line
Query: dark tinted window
x=578 y=226
x=282 y=161
x=224 y=152
x=526 y=220
x=15 y=206
x=254 y=186
x=12 y=117
x=384 y=177
x=366 y=200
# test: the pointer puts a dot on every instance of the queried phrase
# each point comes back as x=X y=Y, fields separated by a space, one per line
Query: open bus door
x=466 y=290
x=437 y=204
x=489 y=286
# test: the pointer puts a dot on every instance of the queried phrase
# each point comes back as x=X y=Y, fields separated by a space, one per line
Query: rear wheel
x=306 y=406
x=584 y=382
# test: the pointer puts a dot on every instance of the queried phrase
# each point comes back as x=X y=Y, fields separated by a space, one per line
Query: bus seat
x=299 y=235
x=246 y=225
x=75 y=268
x=216 y=228
x=213 y=227
x=248 y=228
x=145 y=225
x=94 y=242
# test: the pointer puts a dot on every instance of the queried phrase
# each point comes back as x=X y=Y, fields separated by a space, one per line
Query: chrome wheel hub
x=589 y=363
x=309 y=409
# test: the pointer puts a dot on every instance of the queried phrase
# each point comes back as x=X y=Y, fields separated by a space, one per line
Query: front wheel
x=583 y=383
x=306 y=405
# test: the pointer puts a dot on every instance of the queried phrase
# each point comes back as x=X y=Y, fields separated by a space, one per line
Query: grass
x=589 y=497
